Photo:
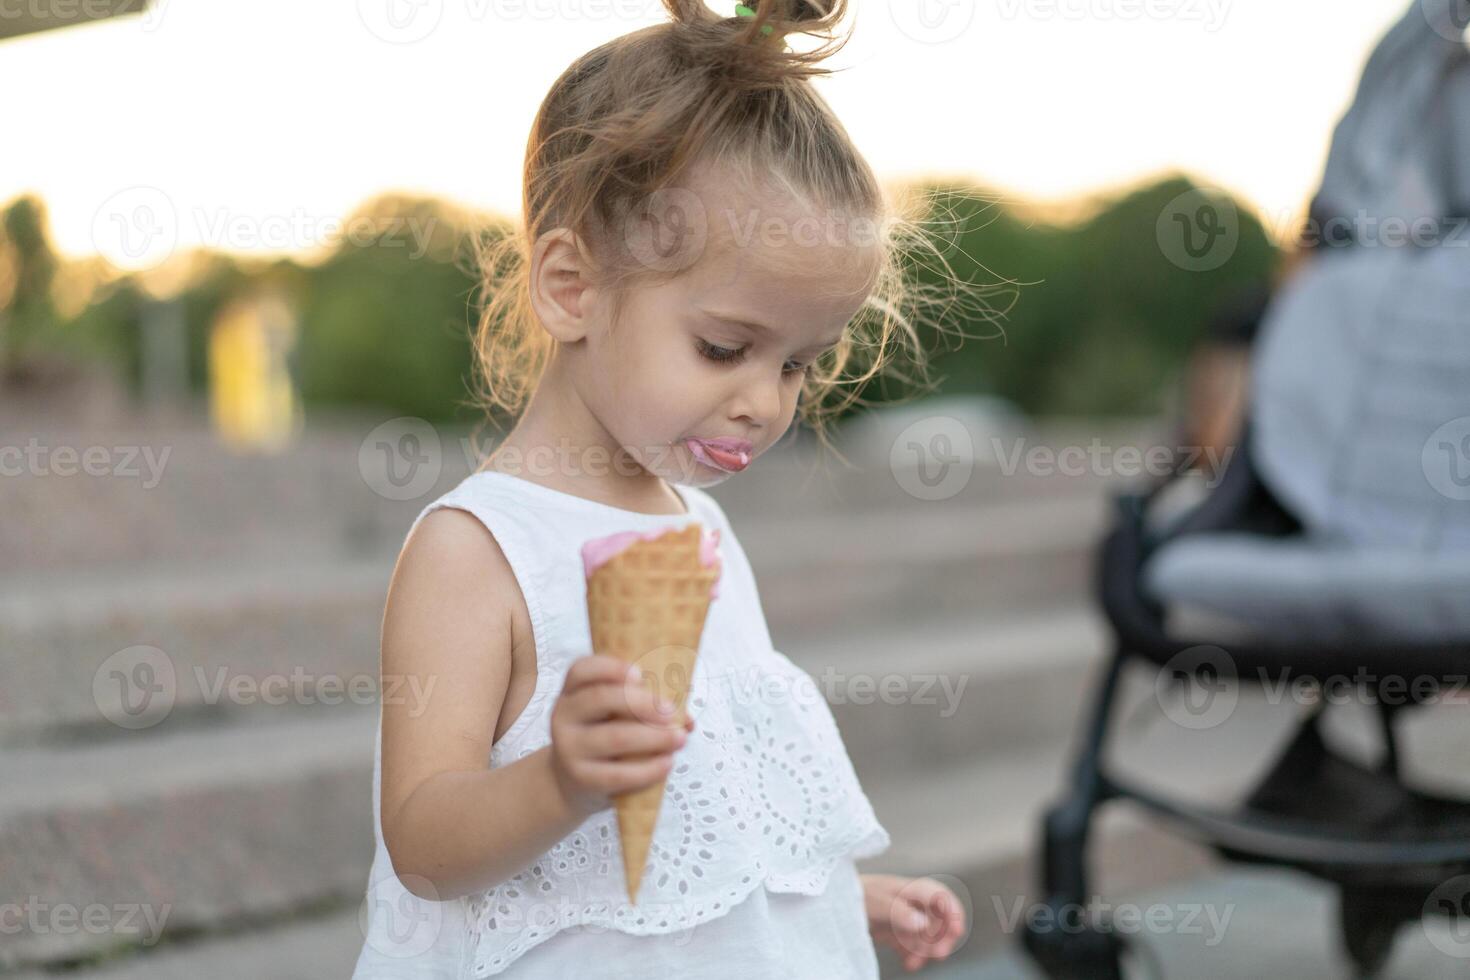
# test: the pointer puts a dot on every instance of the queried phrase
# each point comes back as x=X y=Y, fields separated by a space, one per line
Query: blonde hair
x=630 y=117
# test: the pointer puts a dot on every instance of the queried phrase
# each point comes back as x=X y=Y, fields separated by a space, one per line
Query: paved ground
x=1279 y=925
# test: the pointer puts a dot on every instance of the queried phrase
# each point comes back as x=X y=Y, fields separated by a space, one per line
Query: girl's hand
x=919 y=917
x=608 y=735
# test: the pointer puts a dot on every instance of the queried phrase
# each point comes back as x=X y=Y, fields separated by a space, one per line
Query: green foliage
x=383 y=329
x=1099 y=318
x=1096 y=318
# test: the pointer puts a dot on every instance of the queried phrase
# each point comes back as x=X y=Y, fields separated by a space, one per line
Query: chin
x=701 y=478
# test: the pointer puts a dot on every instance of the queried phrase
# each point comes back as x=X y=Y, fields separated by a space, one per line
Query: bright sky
x=257 y=123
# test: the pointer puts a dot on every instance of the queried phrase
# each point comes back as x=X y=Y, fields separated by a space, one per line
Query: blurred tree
x=1092 y=317
x=27 y=268
x=386 y=318
x=1102 y=319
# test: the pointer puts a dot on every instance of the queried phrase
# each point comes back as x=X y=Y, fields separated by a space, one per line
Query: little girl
x=700 y=239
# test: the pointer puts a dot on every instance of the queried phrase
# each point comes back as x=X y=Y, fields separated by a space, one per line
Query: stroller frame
x=1385 y=845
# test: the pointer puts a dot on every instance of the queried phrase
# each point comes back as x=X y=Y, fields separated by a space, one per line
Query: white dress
x=751 y=870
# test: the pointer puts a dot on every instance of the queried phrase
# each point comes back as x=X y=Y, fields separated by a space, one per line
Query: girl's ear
x=560 y=291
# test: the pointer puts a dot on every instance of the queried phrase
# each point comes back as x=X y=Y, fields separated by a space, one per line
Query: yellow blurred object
x=252 y=398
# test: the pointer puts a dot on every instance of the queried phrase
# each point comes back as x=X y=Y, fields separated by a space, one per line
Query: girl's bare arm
x=451 y=824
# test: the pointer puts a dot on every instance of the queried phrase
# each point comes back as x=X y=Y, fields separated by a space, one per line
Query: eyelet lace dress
x=751 y=871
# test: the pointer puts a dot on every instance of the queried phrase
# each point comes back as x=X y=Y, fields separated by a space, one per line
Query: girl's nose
x=758 y=401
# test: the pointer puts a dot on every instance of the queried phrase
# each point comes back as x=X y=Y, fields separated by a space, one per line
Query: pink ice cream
x=599 y=551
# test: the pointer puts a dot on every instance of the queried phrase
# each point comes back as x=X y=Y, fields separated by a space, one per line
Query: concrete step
x=72 y=640
x=215 y=815
x=183 y=831
x=89 y=655
x=244 y=828
x=303 y=947
x=128 y=495
x=972 y=824
x=845 y=572
x=1268 y=923
x=932 y=692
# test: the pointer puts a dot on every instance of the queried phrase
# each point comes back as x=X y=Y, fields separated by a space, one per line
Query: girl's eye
x=725 y=355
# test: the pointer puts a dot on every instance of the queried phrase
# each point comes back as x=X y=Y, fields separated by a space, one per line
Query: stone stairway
x=244 y=825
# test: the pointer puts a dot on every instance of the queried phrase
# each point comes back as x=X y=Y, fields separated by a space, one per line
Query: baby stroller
x=1336 y=543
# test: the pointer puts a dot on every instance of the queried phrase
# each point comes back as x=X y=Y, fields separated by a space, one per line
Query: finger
x=629 y=700
x=626 y=775
x=619 y=739
x=595 y=668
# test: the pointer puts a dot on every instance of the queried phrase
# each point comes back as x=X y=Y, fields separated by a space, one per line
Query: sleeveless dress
x=751 y=870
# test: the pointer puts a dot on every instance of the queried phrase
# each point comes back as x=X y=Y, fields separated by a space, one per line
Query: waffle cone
x=647 y=606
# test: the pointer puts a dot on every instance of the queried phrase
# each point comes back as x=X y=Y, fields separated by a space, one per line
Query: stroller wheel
x=1075 y=953
x=1368 y=930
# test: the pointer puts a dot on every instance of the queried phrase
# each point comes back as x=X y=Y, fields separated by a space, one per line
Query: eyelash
x=724 y=355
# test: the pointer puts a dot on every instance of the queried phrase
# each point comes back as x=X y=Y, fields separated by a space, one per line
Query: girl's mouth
x=732 y=456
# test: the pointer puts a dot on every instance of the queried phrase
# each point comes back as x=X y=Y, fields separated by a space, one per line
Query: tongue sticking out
x=730 y=460
x=720 y=457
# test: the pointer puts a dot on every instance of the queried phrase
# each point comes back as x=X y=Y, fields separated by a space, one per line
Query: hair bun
x=792 y=15
x=709 y=36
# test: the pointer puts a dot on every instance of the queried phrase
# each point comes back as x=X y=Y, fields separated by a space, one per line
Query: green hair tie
x=741 y=10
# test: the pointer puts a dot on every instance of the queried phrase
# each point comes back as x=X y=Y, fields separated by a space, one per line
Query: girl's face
x=721 y=352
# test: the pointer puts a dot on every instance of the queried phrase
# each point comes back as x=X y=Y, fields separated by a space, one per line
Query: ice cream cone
x=646 y=605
